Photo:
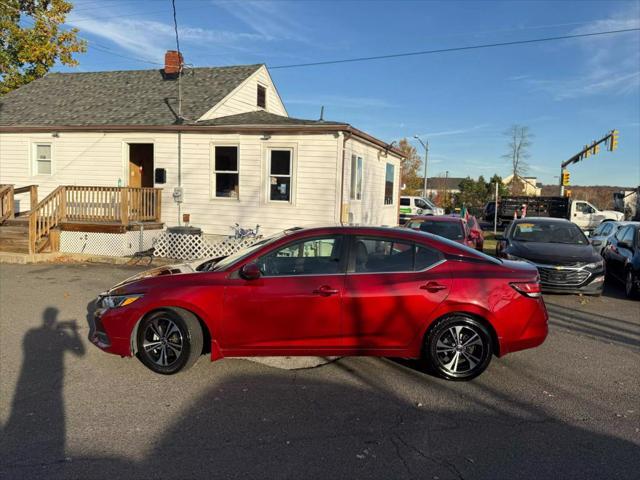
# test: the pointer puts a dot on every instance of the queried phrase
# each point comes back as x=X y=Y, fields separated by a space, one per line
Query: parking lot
x=568 y=409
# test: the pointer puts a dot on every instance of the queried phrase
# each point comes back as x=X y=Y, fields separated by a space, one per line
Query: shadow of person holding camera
x=35 y=431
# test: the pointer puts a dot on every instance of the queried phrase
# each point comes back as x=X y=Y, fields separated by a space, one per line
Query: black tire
x=169 y=340
x=630 y=288
x=441 y=348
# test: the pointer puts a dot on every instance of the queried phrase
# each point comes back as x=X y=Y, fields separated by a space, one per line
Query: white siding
x=244 y=98
x=371 y=210
x=102 y=159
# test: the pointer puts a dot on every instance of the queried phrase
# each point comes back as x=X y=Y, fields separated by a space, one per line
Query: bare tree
x=519 y=141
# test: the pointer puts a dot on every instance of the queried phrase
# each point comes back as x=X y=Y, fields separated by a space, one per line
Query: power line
x=454 y=49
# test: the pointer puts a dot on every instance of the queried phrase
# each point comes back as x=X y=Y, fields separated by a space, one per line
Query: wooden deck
x=75 y=208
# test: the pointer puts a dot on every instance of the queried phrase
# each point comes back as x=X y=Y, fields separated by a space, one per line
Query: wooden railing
x=113 y=204
x=33 y=194
x=44 y=217
x=6 y=202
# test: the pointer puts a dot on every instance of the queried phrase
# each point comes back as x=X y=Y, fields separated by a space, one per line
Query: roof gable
x=133 y=97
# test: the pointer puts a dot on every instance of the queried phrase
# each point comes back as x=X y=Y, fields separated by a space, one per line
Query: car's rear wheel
x=459 y=348
x=169 y=341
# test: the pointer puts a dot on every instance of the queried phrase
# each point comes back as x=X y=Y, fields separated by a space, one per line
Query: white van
x=412 y=206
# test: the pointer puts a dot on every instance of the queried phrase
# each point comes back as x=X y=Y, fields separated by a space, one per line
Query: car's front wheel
x=169 y=340
x=459 y=348
x=630 y=288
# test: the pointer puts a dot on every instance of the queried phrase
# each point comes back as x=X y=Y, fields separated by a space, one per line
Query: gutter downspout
x=345 y=137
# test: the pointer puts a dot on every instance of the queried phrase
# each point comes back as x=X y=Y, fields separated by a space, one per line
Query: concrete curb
x=25 y=258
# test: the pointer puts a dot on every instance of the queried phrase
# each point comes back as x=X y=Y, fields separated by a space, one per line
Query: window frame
x=260 y=87
x=357 y=166
x=342 y=263
x=350 y=260
x=292 y=175
x=34 y=159
x=213 y=172
x=393 y=185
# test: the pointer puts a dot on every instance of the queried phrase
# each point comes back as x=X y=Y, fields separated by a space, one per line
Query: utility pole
x=426 y=158
x=495 y=213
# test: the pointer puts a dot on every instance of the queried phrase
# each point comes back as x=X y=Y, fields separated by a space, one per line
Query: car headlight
x=115 y=301
x=595 y=265
x=508 y=256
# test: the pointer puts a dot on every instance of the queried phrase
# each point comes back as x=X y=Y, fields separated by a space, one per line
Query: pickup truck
x=580 y=212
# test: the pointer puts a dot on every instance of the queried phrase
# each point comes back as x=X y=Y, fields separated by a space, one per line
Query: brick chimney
x=172 y=62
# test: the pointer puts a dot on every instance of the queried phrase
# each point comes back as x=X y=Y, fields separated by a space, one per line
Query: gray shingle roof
x=132 y=97
x=263 y=118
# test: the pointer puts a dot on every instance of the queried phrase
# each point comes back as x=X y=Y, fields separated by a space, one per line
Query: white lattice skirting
x=111 y=244
x=193 y=247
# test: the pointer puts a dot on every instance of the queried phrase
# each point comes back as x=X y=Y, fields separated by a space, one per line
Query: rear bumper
x=533 y=334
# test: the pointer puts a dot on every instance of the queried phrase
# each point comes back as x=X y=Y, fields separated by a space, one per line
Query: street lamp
x=426 y=156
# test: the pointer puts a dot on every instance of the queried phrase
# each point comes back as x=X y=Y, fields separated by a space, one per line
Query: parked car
x=622 y=257
x=452 y=227
x=560 y=251
x=329 y=291
x=580 y=212
x=604 y=233
x=412 y=206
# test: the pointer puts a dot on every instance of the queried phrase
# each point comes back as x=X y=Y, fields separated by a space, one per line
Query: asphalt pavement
x=568 y=409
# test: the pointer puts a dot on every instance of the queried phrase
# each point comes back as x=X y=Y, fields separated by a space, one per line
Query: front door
x=140 y=165
x=391 y=289
x=295 y=304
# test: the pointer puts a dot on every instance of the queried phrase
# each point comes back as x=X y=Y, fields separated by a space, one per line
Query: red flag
x=524 y=211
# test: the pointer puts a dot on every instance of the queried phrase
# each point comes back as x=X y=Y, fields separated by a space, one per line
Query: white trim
x=34 y=159
x=212 y=170
x=353 y=193
x=293 y=173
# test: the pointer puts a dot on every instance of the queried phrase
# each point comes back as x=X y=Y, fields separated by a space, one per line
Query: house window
x=43 y=159
x=356 y=177
x=280 y=167
x=262 y=96
x=388 y=184
x=226 y=177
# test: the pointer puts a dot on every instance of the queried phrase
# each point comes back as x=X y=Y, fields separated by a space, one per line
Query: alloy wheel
x=163 y=341
x=459 y=349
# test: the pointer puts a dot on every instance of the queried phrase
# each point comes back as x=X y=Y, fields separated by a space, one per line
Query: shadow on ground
x=286 y=425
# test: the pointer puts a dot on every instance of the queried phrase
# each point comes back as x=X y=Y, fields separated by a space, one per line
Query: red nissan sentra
x=329 y=291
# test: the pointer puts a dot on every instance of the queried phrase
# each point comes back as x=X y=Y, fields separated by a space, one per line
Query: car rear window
x=450 y=230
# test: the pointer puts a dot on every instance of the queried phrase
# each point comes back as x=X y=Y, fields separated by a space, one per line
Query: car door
x=624 y=251
x=392 y=287
x=582 y=213
x=294 y=305
x=615 y=252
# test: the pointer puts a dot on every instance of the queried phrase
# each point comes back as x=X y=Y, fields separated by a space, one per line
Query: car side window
x=606 y=228
x=621 y=233
x=628 y=235
x=377 y=255
x=405 y=202
x=315 y=256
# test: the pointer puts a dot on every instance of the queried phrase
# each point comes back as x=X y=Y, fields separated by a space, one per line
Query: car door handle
x=433 y=287
x=326 y=290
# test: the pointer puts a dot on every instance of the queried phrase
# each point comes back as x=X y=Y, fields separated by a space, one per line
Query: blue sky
x=568 y=92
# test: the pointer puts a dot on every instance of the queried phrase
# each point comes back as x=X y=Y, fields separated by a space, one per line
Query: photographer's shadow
x=37 y=417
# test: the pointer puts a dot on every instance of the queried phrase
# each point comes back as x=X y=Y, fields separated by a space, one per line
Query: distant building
x=436 y=185
x=525 y=185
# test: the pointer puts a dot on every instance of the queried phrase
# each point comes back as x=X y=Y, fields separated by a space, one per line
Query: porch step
x=14 y=238
x=16 y=222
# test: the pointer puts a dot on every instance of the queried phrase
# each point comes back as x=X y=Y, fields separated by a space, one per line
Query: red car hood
x=154 y=272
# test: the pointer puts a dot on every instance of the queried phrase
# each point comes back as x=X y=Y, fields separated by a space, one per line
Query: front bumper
x=106 y=330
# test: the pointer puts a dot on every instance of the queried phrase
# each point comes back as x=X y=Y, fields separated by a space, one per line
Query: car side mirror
x=250 y=271
x=596 y=243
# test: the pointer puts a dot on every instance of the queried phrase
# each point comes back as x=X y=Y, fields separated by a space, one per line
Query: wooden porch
x=75 y=208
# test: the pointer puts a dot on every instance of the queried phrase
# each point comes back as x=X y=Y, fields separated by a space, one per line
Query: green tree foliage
x=409 y=168
x=475 y=193
x=32 y=40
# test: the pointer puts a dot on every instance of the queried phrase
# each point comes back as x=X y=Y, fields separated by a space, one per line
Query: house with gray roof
x=218 y=142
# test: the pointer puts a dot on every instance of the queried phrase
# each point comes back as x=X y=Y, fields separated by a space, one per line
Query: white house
x=524 y=185
x=232 y=155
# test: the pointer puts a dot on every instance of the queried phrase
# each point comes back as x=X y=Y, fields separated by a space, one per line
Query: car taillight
x=528 y=289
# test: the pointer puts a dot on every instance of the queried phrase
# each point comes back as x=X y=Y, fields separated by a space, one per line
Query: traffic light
x=565 y=178
x=596 y=149
x=587 y=151
x=613 y=141
x=567 y=193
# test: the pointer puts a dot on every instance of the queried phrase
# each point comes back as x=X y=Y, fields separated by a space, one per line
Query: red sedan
x=452 y=227
x=329 y=291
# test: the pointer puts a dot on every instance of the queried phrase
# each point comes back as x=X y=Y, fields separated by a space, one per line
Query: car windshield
x=245 y=252
x=547 y=232
x=431 y=205
x=450 y=230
